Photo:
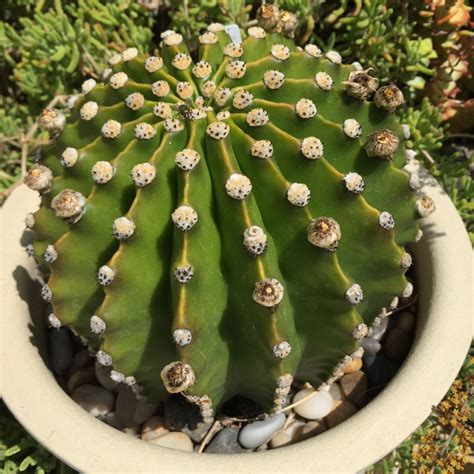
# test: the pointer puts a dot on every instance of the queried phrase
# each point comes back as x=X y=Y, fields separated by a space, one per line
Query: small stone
x=131 y=410
x=153 y=428
x=310 y=429
x=316 y=407
x=259 y=432
x=280 y=439
x=379 y=372
x=405 y=321
x=175 y=440
x=131 y=432
x=352 y=366
x=371 y=346
x=60 y=347
x=225 y=442
x=341 y=411
x=354 y=386
x=111 y=420
x=336 y=392
x=80 y=360
x=97 y=401
x=81 y=377
x=102 y=373
x=398 y=344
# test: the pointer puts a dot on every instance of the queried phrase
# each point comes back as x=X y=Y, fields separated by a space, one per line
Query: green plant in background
x=224 y=149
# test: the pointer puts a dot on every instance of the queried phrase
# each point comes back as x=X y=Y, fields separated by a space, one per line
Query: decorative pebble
x=174 y=440
x=280 y=439
x=352 y=366
x=80 y=377
x=378 y=331
x=61 y=352
x=354 y=386
x=398 y=344
x=341 y=411
x=336 y=392
x=371 y=346
x=316 y=407
x=153 y=428
x=225 y=442
x=259 y=432
x=97 y=401
x=132 y=410
x=379 y=371
x=102 y=373
x=310 y=429
x=405 y=321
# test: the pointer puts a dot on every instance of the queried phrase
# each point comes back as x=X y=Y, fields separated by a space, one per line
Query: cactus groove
x=236 y=222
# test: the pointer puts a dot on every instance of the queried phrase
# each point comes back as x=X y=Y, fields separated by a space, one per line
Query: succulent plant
x=229 y=225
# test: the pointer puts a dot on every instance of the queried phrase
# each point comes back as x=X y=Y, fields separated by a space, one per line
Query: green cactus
x=231 y=224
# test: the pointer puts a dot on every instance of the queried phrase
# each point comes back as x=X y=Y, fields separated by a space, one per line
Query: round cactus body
x=226 y=225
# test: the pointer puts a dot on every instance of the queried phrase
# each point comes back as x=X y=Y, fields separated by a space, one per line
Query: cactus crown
x=231 y=223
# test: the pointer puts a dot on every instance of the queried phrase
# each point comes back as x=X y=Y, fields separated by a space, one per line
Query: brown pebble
x=81 y=377
x=397 y=345
x=336 y=392
x=311 y=428
x=153 y=428
x=280 y=439
x=341 y=411
x=352 y=366
x=405 y=321
x=354 y=386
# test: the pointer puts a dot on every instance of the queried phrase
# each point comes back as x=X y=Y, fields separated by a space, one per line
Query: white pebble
x=316 y=407
x=257 y=433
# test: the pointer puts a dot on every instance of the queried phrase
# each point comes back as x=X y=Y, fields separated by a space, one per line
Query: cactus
x=229 y=225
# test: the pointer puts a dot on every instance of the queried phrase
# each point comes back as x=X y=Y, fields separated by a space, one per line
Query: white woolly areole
x=408 y=291
x=46 y=293
x=238 y=186
x=123 y=228
x=162 y=109
x=102 y=172
x=160 y=88
x=135 y=101
x=233 y=50
x=218 y=130
x=262 y=149
x=143 y=174
x=221 y=95
x=39 y=178
x=166 y=33
x=111 y=129
x=305 y=108
x=69 y=157
x=129 y=54
x=103 y=358
x=187 y=159
x=324 y=81
x=50 y=254
x=177 y=377
x=173 y=125
x=30 y=220
x=182 y=337
x=357 y=66
x=268 y=292
x=406 y=260
x=235 y=69
x=144 y=131
x=202 y=69
x=280 y=51
x=255 y=240
x=184 y=274
x=256 y=32
x=173 y=39
x=425 y=206
x=208 y=88
x=105 y=275
x=352 y=128
x=282 y=349
x=354 y=294
x=216 y=27
x=223 y=115
x=54 y=321
x=118 y=80
x=414 y=181
x=88 y=85
x=184 y=217
x=360 y=331
x=52 y=120
x=97 y=325
x=324 y=232
x=181 y=61
x=71 y=101
x=115 y=59
x=116 y=376
x=153 y=63
x=298 y=194
x=354 y=182
x=242 y=99
x=334 y=57
x=257 y=117
x=69 y=204
x=406 y=131
x=208 y=38
x=273 y=79
x=386 y=220
x=106 y=73
x=312 y=148
x=89 y=110
x=419 y=235
x=313 y=50
x=30 y=250
x=284 y=381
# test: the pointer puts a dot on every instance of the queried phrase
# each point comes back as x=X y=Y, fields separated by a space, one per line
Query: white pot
x=443 y=334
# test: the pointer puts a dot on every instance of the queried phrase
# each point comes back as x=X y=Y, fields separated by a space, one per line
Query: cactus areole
x=226 y=224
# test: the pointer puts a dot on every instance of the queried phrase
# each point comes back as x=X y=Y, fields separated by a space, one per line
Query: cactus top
x=228 y=224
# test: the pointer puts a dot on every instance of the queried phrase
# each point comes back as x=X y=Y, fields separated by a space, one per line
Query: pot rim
x=53 y=418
